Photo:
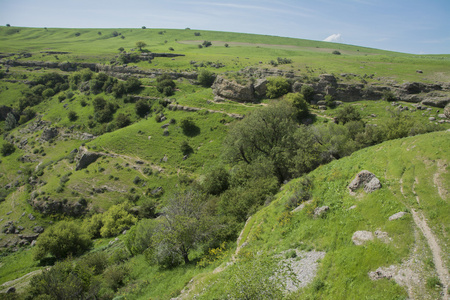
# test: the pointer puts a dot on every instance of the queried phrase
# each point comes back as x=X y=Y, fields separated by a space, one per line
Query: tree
x=184 y=226
x=165 y=84
x=206 y=44
x=277 y=87
x=142 y=108
x=143 y=27
x=122 y=120
x=189 y=127
x=116 y=219
x=216 y=181
x=121 y=49
x=62 y=240
x=140 y=45
x=206 y=78
x=10 y=122
x=300 y=105
x=267 y=133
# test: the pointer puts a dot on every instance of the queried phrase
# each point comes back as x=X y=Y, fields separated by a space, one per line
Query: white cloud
x=336 y=38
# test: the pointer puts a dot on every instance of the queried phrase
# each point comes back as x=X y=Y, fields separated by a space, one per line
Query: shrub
x=72 y=116
x=114 y=276
x=140 y=45
x=346 y=114
x=116 y=219
x=188 y=126
x=186 y=148
x=48 y=93
x=197 y=33
x=226 y=45
x=7 y=149
x=61 y=240
x=122 y=120
x=277 y=87
x=206 y=44
x=308 y=92
x=165 y=84
x=206 y=78
x=389 y=96
x=336 y=52
x=171 y=49
x=216 y=181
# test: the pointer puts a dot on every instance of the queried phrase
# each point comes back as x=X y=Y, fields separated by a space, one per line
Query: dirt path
x=432 y=241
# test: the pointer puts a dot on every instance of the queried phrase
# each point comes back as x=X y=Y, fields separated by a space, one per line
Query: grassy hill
x=143 y=161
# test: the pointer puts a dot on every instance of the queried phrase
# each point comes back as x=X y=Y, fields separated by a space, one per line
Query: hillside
x=133 y=159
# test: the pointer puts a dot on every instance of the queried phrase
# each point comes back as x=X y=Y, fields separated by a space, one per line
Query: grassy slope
x=244 y=50
x=343 y=271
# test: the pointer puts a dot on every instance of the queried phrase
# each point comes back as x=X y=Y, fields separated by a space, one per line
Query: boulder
x=260 y=87
x=38 y=229
x=85 y=159
x=224 y=88
x=320 y=211
x=397 y=216
x=366 y=179
x=437 y=101
x=31 y=217
x=362 y=236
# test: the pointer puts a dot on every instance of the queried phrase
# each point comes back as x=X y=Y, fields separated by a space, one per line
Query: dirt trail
x=432 y=241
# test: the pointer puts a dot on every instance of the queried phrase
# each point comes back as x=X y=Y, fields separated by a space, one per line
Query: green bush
x=142 y=108
x=389 y=96
x=62 y=240
x=10 y=122
x=165 y=84
x=122 y=120
x=189 y=127
x=216 y=181
x=48 y=93
x=185 y=148
x=308 y=92
x=346 y=114
x=116 y=219
x=277 y=87
x=72 y=115
x=7 y=149
x=206 y=78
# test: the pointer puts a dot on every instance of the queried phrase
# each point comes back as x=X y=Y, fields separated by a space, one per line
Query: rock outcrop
x=227 y=89
x=85 y=158
x=365 y=179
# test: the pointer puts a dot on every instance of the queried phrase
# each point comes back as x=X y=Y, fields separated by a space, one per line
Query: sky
x=409 y=26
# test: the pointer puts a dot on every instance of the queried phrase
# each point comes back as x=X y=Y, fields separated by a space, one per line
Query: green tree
x=142 y=108
x=140 y=45
x=165 y=84
x=185 y=225
x=265 y=133
x=301 y=106
x=10 y=122
x=206 y=78
x=216 y=181
x=62 y=240
x=122 y=120
x=277 y=87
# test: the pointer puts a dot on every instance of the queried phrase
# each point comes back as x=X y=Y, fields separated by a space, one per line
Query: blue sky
x=411 y=26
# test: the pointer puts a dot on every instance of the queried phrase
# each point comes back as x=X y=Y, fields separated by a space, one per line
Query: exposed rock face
x=50 y=207
x=223 y=88
x=447 y=111
x=49 y=133
x=360 y=237
x=436 y=101
x=366 y=179
x=260 y=88
x=85 y=159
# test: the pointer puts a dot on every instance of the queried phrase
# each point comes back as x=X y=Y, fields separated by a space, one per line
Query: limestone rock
x=38 y=229
x=49 y=133
x=366 y=179
x=447 y=111
x=232 y=90
x=260 y=87
x=437 y=101
x=319 y=211
x=85 y=159
x=362 y=236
